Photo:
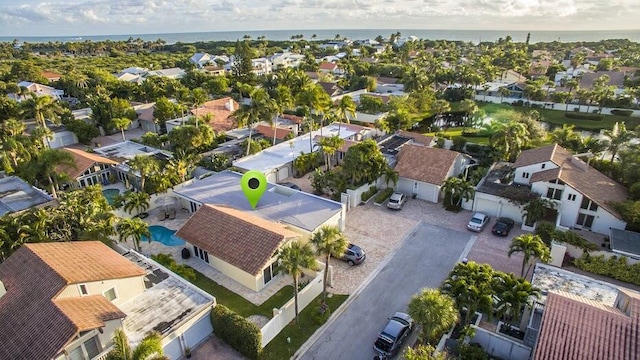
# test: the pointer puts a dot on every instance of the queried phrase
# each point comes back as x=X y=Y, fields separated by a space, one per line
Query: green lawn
x=239 y=304
x=557 y=117
x=457 y=131
x=279 y=348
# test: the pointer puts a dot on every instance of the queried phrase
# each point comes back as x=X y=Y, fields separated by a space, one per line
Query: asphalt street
x=423 y=259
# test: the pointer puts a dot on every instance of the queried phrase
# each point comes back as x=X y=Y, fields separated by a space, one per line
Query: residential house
x=146 y=119
x=388 y=85
x=134 y=70
x=65 y=300
x=276 y=162
x=616 y=79
x=133 y=78
x=89 y=169
x=332 y=89
x=17 y=195
x=286 y=59
x=422 y=170
x=281 y=133
x=583 y=318
x=217 y=114
x=299 y=210
x=261 y=66
x=625 y=242
x=583 y=195
x=237 y=243
x=214 y=70
x=38 y=90
x=123 y=152
x=330 y=68
x=172 y=73
x=51 y=76
x=200 y=59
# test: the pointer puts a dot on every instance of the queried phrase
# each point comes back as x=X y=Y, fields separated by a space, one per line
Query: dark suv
x=390 y=339
x=354 y=255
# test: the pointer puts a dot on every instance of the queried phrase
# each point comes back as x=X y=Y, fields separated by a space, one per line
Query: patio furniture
x=172 y=214
x=162 y=215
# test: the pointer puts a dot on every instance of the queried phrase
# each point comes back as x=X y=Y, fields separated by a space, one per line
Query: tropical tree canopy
x=532 y=247
x=434 y=311
x=329 y=241
x=292 y=259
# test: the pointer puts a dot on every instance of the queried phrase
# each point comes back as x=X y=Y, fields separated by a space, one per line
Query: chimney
x=3 y=290
x=575 y=159
x=229 y=105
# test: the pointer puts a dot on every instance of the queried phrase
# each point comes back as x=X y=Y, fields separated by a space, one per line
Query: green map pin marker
x=253 y=184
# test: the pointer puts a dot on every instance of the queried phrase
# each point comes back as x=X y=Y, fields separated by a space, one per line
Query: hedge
x=368 y=194
x=581 y=116
x=547 y=232
x=238 y=332
x=614 y=267
x=384 y=195
x=620 y=112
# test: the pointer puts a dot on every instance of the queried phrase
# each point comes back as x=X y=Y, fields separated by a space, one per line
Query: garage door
x=405 y=186
x=487 y=206
x=272 y=177
x=198 y=332
x=172 y=350
x=283 y=173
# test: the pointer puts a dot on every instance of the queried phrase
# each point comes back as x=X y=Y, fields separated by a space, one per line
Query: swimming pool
x=110 y=195
x=163 y=235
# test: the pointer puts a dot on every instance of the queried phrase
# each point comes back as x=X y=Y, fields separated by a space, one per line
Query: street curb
x=467 y=249
x=316 y=335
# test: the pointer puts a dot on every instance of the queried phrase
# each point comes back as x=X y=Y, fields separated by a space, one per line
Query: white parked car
x=396 y=201
x=478 y=222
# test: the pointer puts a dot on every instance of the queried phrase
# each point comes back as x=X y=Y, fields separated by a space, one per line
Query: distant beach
x=473 y=36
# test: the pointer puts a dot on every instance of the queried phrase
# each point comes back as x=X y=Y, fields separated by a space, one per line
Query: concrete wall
x=355 y=195
x=556 y=106
x=496 y=206
x=576 y=252
x=244 y=278
x=283 y=316
x=500 y=346
x=126 y=289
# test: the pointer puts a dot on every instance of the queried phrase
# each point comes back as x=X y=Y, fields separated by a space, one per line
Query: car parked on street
x=354 y=255
x=478 y=222
x=291 y=185
x=502 y=226
x=390 y=339
x=396 y=201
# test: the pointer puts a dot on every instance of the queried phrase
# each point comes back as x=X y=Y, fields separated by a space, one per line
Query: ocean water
x=473 y=36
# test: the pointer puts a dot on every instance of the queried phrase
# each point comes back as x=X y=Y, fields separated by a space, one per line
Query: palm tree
x=180 y=167
x=440 y=107
x=392 y=176
x=198 y=98
x=283 y=101
x=619 y=138
x=42 y=108
x=345 y=107
x=330 y=146
x=329 y=241
x=135 y=229
x=532 y=247
x=145 y=166
x=150 y=348
x=121 y=124
x=508 y=137
x=434 y=311
x=292 y=259
x=469 y=107
x=512 y=294
x=470 y=285
x=49 y=161
x=136 y=201
x=261 y=107
x=536 y=209
x=457 y=190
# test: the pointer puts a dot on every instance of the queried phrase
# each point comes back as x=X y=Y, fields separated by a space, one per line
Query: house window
x=525 y=175
x=83 y=289
x=198 y=252
x=543 y=166
x=76 y=354
x=553 y=193
x=588 y=204
x=92 y=348
x=110 y=294
x=572 y=197
x=270 y=272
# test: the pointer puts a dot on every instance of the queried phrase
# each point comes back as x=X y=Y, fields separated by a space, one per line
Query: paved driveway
x=423 y=259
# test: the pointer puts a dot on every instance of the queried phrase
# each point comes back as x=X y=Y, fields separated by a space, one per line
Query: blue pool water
x=163 y=235
x=110 y=195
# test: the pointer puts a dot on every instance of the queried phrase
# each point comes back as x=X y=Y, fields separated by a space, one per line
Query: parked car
x=396 y=201
x=478 y=222
x=354 y=255
x=390 y=340
x=291 y=185
x=502 y=226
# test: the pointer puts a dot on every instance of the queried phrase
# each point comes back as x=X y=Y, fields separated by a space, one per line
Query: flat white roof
x=128 y=150
x=549 y=278
x=167 y=302
x=278 y=203
x=281 y=154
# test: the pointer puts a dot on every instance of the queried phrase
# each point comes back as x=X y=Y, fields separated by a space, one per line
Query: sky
x=114 y=17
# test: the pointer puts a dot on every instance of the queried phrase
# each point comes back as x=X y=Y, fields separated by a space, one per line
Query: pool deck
x=182 y=215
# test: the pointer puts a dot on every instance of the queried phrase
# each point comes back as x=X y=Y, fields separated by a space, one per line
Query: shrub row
x=622 y=112
x=581 y=116
x=615 y=267
x=547 y=232
x=384 y=195
x=369 y=193
x=238 y=332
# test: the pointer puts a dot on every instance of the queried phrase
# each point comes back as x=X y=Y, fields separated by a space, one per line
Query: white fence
x=500 y=346
x=355 y=195
x=552 y=105
x=577 y=252
x=283 y=316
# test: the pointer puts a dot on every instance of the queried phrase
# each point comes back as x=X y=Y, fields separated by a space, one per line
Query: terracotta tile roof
x=267 y=131
x=417 y=138
x=386 y=80
x=85 y=261
x=33 y=325
x=89 y=312
x=293 y=118
x=221 y=111
x=84 y=161
x=328 y=66
x=312 y=75
x=575 y=173
x=50 y=75
x=347 y=144
x=147 y=114
x=330 y=88
x=421 y=163
x=236 y=237
x=576 y=328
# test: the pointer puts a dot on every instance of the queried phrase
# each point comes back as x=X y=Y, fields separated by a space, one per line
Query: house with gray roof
x=17 y=195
